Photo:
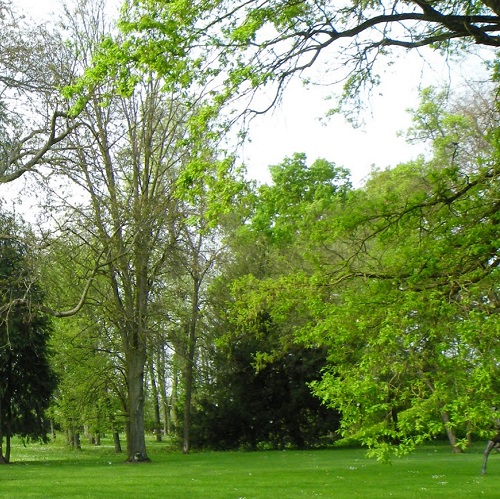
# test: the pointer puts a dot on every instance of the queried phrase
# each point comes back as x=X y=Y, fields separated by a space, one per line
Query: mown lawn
x=96 y=472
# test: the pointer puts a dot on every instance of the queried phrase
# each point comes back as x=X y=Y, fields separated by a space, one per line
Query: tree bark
x=173 y=419
x=116 y=441
x=162 y=389
x=156 y=401
x=451 y=433
x=76 y=443
x=136 y=439
x=2 y=459
x=189 y=365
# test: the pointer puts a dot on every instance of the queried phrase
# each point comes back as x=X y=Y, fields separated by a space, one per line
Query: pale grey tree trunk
x=451 y=433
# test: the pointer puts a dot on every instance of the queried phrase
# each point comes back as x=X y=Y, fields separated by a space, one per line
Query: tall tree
x=404 y=291
x=198 y=253
x=125 y=162
x=129 y=162
x=27 y=380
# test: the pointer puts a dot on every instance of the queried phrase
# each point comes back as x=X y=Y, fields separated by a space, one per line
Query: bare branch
x=36 y=156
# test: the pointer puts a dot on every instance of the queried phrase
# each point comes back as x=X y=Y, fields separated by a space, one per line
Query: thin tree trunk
x=2 y=458
x=188 y=385
x=76 y=441
x=116 y=441
x=156 y=402
x=174 y=419
x=7 y=446
x=5 y=435
x=162 y=388
x=451 y=433
x=189 y=366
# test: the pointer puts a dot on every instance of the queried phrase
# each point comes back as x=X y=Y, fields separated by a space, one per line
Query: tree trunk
x=156 y=402
x=162 y=389
x=4 y=435
x=188 y=385
x=7 y=447
x=189 y=365
x=174 y=418
x=2 y=459
x=5 y=456
x=76 y=444
x=136 y=439
x=116 y=441
x=451 y=433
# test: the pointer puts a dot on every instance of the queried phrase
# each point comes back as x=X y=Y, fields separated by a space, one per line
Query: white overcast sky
x=295 y=126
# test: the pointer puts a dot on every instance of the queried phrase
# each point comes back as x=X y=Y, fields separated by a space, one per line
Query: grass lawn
x=51 y=471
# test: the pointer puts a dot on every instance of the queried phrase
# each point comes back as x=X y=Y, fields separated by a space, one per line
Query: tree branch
x=52 y=140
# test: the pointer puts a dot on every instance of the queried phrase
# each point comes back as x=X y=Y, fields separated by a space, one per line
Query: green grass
x=96 y=472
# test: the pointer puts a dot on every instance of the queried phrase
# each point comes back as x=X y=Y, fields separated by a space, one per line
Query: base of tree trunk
x=138 y=458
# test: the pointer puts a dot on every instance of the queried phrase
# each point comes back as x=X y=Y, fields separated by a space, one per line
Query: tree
x=258 y=393
x=199 y=249
x=27 y=380
x=268 y=407
x=130 y=206
x=130 y=163
x=124 y=161
x=34 y=118
x=404 y=291
x=248 y=45
x=414 y=305
x=196 y=251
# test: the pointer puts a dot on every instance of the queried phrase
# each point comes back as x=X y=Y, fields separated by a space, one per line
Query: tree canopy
x=239 y=47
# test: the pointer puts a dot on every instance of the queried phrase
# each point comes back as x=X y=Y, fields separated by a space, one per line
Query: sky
x=298 y=124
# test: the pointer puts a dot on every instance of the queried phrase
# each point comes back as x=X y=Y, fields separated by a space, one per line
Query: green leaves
x=299 y=197
x=397 y=279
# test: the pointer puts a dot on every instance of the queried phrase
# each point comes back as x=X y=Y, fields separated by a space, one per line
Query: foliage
x=240 y=47
x=404 y=294
x=92 y=391
x=245 y=408
x=298 y=197
x=27 y=380
x=257 y=393
x=382 y=300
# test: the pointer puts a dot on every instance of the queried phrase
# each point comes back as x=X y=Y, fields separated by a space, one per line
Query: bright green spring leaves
x=398 y=280
x=299 y=197
x=417 y=312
